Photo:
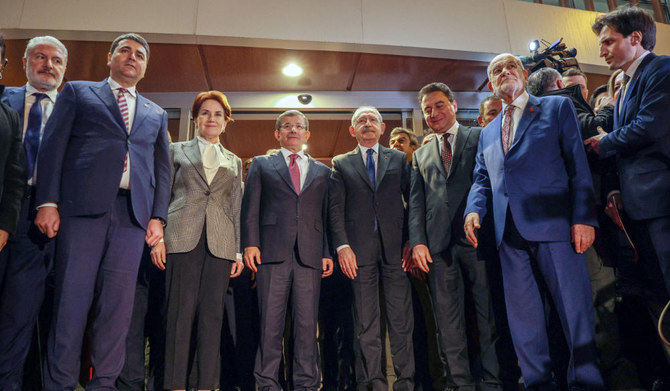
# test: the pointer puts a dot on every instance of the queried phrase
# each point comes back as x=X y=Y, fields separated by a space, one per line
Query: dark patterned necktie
x=123 y=106
x=507 y=128
x=31 y=141
x=445 y=153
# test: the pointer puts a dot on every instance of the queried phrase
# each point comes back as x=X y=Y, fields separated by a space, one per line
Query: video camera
x=556 y=56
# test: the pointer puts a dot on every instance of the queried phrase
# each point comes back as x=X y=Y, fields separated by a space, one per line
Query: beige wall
x=465 y=29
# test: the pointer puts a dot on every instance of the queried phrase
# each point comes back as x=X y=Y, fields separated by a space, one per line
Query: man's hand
x=471 y=224
x=48 y=220
x=406 y=257
x=421 y=257
x=158 y=255
x=237 y=268
x=606 y=101
x=4 y=236
x=582 y=236
x=347 y=260
x=154 y=232
x=327 y=267
x=252 y=257
x=593 y=143
x=613 y=209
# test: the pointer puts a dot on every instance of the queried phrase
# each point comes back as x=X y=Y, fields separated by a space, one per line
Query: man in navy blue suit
x=641 y=137
x=531 y=163
x=104 y=190
x=29 y=252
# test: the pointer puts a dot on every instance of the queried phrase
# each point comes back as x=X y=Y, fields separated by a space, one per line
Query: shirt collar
x=453 y=130
x=633 y=67
x=115 y=86
x=205 y=143
x=520 y=102
x=51 y=93
x=364 y=150
x=288 y=153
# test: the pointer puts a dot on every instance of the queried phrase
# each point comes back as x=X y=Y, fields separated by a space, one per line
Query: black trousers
x=196 y=284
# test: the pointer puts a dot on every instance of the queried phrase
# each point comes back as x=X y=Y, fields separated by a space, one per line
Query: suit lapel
x=632 y=86
x=461 y=139
x=141 y=111
x=17 y=101
x=434 y=155
x=531 y=111
x=104 y=92
x=282 y=169
x=192 y=152
x=382 y=163
x=311 y=172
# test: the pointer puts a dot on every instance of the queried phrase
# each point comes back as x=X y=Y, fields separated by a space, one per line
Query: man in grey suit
x=366 y=219
x=284 y=218
x=440 y=181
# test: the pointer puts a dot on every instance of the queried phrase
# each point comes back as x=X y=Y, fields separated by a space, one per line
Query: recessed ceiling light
x=292 y=70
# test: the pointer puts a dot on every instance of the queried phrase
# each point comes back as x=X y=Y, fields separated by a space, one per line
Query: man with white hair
x=29 y=252
x=531 y=164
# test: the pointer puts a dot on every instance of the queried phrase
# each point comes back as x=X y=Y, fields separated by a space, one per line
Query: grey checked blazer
x=193 y=202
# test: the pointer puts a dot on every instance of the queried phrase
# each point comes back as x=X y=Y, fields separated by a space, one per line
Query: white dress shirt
x=375 y=155
x=453 y=131
x=520 y=103
x=47 y=107
x=131 y=101
x=301 y=161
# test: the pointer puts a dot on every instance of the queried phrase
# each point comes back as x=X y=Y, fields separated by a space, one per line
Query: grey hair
x=45 y=40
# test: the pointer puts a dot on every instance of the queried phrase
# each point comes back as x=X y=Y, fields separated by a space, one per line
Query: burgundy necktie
x=294 y=171
x=123 y=106
x=445 y=153
x=507 y=128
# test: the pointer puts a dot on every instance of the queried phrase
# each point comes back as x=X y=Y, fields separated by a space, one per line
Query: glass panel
x=579 y=4
x=601 y=6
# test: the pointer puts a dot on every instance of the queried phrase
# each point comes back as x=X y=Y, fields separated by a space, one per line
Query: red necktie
x=294 y=171
x=123 y=106
x=507 y=128
x=445 y=153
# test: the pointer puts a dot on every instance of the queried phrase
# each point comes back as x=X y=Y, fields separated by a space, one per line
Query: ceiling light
x=292 y=70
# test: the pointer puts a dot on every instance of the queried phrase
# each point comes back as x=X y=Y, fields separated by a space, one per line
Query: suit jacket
x=15 y=97
x=12 y=168
x=354 y=204
x=437 y=198
x=193 y=203
x=641 y=140
x=83 y=151
x=275 y=218
x=544 y=179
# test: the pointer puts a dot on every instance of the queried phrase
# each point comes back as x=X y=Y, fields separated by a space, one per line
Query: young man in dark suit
x=104 y=188
x=441 y=179
x=284 y=220
x=367 y=219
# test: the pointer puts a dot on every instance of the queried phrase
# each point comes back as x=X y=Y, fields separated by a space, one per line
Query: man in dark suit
x=366 y=219
x=29 y=252
x=441 y=179
x=531 y=163
x=641 y=137
x=104 y=189
x=284 y=218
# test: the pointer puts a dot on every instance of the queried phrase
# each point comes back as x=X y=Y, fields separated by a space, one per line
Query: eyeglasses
x=364 y=120
x=288 y=127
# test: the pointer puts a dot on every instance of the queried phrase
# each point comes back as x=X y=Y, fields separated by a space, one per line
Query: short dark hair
x=482 y=104
x=291 y=113
x=434 y=87
x=132 y=36
x=217 y=96
x=2 y=48
x=540 y=81
x=599 y=90
x=413 y=140
x=626 y=20
x=575 y=72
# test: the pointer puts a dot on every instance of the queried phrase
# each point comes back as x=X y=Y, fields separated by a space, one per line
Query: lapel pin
x=146 y=105
x=531 y=109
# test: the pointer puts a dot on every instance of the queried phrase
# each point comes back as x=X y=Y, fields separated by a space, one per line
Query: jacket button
x=207 y=193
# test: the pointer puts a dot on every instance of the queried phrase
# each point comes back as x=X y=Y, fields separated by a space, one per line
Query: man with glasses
x=284 y=241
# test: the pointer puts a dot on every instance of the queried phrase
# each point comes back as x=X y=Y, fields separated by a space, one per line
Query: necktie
x=370 y=166
x=210 y=161
x=294 y=171
x=445 y=153
x=31 y=141
x=507 y=128
x=623 y=90
x=123 y=106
